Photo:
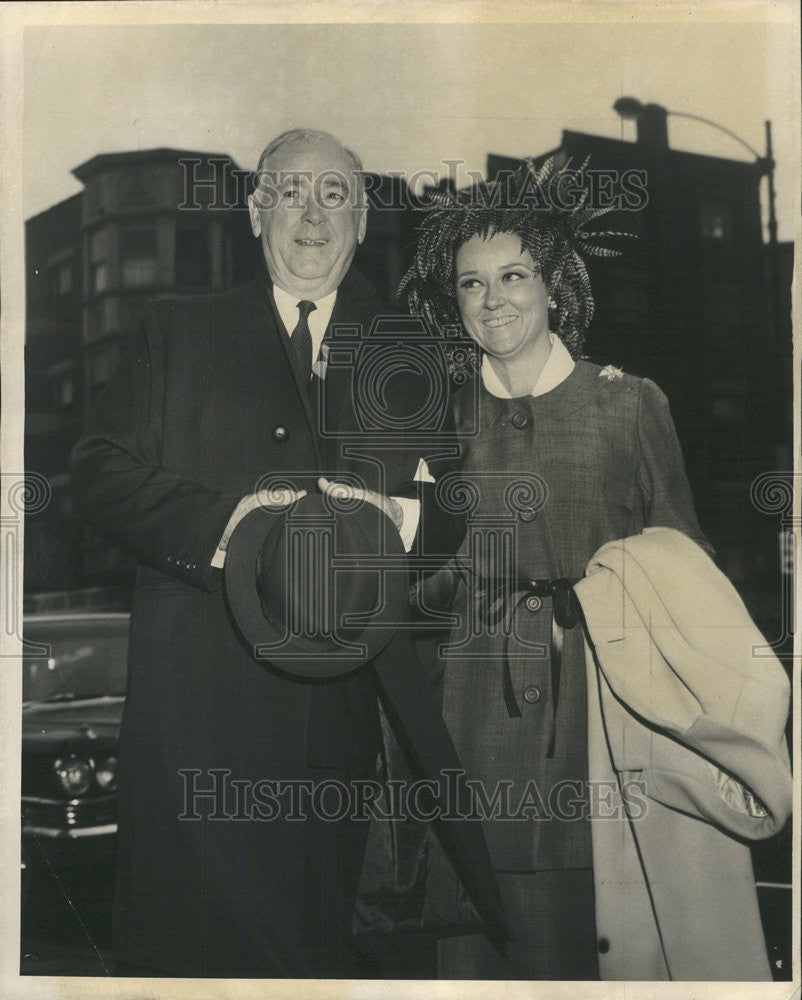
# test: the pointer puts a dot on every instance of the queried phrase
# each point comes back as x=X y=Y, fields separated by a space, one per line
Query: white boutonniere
x=611 y=373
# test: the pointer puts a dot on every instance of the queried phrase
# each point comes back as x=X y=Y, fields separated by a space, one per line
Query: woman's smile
x=493 y=322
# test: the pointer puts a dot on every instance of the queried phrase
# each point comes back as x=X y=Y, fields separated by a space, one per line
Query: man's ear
x=256 y=219
x=363 y=225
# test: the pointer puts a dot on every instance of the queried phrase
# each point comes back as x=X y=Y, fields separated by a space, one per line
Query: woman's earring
x=552 y=303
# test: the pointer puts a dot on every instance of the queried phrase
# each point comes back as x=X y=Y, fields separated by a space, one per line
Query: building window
x=192 y=257
x=102 y=365
x=99 y=270
x=138 y=256
x=62 y=288
x=62 y=386
x=64 y=279
x=100 y=277
x=716 y=224
x=65 y=392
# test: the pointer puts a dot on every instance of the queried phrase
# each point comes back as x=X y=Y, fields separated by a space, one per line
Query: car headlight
x=75 y=774
x=106 y=773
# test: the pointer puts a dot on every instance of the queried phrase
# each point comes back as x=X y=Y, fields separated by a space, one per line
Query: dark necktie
x=302 y=338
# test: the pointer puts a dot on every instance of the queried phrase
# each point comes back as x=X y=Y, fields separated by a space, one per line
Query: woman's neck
x=519 y=375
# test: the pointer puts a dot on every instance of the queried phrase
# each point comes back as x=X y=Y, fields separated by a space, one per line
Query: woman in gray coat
x=559 y=456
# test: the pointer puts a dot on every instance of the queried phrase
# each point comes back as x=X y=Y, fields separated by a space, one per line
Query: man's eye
x=335 y=197
x=290 y=193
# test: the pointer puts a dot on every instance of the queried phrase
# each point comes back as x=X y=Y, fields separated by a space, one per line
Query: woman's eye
x=513 y=276
x=469 y=283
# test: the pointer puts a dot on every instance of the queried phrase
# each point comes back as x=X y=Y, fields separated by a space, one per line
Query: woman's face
x=503 y=302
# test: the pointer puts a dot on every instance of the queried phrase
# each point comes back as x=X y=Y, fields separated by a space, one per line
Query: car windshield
x=68 y=660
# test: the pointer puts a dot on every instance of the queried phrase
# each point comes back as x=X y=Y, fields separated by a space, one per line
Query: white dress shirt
x=318 y=320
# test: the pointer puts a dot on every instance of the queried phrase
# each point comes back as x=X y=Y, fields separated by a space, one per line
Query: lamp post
x=651 y=122
x=653 y=131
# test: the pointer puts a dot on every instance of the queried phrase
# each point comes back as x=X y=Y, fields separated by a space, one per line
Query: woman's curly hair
x=528 y=203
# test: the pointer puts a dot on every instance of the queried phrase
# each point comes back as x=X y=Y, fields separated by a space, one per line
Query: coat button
x=170 y=559
x=280 y=433
x=533 y=603
x=528 y=514
x=520 y=420
x=604 y=946
x=532 y=695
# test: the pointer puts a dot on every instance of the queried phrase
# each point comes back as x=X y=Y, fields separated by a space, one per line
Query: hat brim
x=269 y=642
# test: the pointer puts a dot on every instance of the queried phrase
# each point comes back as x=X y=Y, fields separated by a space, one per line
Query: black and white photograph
x=400 y=499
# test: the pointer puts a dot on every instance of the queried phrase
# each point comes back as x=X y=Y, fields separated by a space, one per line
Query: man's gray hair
x=306 y=134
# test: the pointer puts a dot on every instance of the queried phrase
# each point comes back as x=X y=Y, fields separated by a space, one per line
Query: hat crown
x=318 y=588
x=314 y=572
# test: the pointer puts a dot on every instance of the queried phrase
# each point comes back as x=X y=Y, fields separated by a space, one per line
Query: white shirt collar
x=287 y=306
x=557 y=368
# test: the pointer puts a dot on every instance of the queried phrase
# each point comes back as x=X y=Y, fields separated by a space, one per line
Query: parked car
x=73 y=690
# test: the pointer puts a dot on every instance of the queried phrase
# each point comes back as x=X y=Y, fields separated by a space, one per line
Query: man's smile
x=311 y=243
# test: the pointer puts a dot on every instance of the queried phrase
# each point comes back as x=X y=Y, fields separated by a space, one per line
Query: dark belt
x=565 y=613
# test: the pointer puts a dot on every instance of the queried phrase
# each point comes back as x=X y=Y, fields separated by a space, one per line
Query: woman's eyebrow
x=502 y=267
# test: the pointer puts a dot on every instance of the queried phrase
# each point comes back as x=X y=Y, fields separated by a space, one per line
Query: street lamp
x=652 y=131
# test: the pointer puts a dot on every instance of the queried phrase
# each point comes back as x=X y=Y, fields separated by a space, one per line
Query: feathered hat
x=548 y=208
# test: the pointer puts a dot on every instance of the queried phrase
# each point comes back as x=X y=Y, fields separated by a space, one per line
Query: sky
x=407 y=97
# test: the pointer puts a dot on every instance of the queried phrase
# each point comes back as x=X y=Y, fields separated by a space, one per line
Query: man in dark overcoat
x=213 y=410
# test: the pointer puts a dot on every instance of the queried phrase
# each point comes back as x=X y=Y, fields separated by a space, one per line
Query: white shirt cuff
x=245 y=505
x=409 y=526
x=408 y=530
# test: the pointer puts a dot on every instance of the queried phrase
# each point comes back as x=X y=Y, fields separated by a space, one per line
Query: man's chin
x=310 y=275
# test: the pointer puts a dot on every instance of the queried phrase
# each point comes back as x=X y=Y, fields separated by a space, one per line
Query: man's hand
x=263 y=498
x=388 y=505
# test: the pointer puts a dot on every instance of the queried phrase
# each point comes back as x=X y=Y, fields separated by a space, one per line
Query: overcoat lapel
x=354 y=310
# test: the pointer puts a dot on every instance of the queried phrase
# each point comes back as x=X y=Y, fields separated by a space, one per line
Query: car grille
x=50 y=817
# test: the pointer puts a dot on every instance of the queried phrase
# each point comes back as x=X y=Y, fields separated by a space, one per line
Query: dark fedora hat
x=316 y=588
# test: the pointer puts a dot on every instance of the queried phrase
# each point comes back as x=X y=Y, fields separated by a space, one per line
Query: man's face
x=308 y=213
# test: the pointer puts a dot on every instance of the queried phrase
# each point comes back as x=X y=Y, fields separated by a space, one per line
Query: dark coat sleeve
x=665 y=490
x=120 y=484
